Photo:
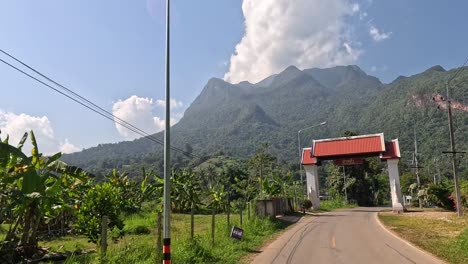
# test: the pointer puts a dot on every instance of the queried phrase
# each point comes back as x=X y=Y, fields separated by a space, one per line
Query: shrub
x=306 y=204
x=140 y=230
x=102 y=200
x=440 y=195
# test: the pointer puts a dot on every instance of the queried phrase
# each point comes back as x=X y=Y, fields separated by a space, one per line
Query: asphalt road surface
x=344 y=236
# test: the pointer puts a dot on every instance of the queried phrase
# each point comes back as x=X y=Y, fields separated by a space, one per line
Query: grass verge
x=443 y=234
x=139 y=242
x=330 y=205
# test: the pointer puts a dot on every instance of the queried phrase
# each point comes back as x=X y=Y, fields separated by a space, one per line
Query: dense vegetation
x=237 y=119
x=42 y=198
x=240 y=144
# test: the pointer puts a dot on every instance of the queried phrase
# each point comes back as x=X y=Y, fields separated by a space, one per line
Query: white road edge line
x=376 y=215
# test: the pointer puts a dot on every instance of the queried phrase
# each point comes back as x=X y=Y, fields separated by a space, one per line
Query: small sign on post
x=237 y=232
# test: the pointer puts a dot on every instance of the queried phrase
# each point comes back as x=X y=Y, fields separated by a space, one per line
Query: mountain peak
x=245 y=84
x=399 y=78
x=436 y=68
x=339 y=76
x=356 y=69
x=291 y=68
x=215 y=81
x=287 y=75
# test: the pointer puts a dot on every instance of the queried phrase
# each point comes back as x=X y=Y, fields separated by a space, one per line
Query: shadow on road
x=367 y=209
x=327 y=215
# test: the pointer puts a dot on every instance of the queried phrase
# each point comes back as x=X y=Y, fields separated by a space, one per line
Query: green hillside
x=237 y=119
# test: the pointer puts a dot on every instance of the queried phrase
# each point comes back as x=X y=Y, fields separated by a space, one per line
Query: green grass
x=329 y=205
x=67 y=243
x=445 y=238
x=137 y=247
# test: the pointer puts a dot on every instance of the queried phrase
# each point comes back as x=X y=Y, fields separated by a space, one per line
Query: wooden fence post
x=105 y=222
x=240 y=209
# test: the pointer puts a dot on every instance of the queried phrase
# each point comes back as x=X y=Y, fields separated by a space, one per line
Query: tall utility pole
x=454 y=152
x=415 y=158
x=167 y=152
x=416 y=163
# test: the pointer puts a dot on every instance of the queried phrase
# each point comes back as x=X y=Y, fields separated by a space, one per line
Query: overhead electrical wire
x=71 y=91
x=459 y=69
x=87 y=103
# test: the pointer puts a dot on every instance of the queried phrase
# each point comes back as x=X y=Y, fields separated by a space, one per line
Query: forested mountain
x=236 y=118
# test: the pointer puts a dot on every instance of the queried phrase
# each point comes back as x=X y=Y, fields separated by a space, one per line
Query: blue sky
x=112 y=52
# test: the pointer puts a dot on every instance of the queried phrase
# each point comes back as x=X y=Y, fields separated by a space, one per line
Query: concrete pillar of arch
x=395 y=189
x=313 y=185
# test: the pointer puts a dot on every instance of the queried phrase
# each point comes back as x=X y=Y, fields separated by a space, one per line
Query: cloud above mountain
x=378 y=34
x=15 y=125
x=138 y=111
x=304 y=33
x=174 y=103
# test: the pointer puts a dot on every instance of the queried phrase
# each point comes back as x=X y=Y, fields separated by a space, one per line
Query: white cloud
x=138 y=111
x=174 y=103
x=67 y=147
x=15 y=126
x=381 y=68
x=377 y=34
x=304 y=33
x=362 y=15
x=355 y=7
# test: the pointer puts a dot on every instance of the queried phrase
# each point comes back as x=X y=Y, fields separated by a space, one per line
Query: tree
x=148 y=187
x=216 y=196
x=259 y=162
x=246 y=190
x=104 y=199
x=38 y=186
x=228 y=180
x=186 y=191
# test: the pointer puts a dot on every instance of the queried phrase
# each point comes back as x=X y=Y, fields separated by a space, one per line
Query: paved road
x=344 y=236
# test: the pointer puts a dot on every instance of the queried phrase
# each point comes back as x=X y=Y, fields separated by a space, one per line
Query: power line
x=77 y=101
x=87 y=103
x=70 y=91
x=459 y=69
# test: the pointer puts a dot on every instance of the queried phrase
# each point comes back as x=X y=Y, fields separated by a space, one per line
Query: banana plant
x=273 y=185
x=149 y=186
x=217 y=196
x=37 y=183
x=192 y=190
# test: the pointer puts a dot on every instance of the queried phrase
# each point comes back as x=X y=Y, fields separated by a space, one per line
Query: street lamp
x=300 y=151
x=167 y=153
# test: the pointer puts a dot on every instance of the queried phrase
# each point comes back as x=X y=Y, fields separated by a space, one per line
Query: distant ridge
x=237 y=118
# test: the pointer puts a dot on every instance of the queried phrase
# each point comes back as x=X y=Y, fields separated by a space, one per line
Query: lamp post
x=167 y=153
x=300 y=152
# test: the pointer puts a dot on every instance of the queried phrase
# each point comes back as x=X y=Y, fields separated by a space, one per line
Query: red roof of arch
x=358 y=145
x=392 y=150
x=308 y=159
x=345 y=147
